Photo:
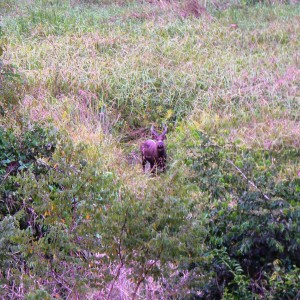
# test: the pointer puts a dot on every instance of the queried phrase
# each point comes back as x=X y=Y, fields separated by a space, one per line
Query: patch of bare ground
x=193 y=8
x=166 y=9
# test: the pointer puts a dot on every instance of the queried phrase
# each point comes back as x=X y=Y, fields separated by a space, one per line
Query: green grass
x=162 y=67
x=94 y=70
x=121 y=68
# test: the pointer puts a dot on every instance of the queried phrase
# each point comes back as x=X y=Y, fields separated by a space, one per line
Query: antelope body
x=154 y=151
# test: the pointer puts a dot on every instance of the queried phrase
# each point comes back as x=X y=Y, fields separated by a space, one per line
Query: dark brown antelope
x=154 y=151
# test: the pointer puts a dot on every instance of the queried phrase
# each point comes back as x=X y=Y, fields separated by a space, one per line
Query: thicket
x=253 y=232
x=65 y=222
x=59 y=210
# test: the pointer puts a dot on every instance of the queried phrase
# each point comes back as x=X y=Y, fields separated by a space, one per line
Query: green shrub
x=253 y=219
x=74 y=208
x=18 y=153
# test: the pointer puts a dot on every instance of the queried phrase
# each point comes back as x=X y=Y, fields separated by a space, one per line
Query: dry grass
x=123 y=286
x=269 y=135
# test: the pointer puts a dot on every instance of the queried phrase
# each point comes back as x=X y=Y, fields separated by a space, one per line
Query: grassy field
x=102 y=73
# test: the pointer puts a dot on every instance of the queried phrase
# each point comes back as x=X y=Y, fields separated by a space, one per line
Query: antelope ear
x=154 y=133
x=164 y=132
x=165 y=129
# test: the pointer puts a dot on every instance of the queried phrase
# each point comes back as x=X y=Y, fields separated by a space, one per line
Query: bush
x=68 y=208
x=254 y=217
x=19 y=153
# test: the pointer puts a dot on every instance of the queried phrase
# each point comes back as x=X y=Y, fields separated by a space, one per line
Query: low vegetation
x=81 y=83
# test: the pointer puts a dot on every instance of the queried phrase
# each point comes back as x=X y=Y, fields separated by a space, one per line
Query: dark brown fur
x=154 y=151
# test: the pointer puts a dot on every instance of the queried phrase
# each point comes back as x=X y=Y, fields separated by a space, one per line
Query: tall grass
x=155 y=66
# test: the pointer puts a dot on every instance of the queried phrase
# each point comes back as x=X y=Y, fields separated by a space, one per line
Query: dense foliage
x=254 y=220
x=80 y=83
